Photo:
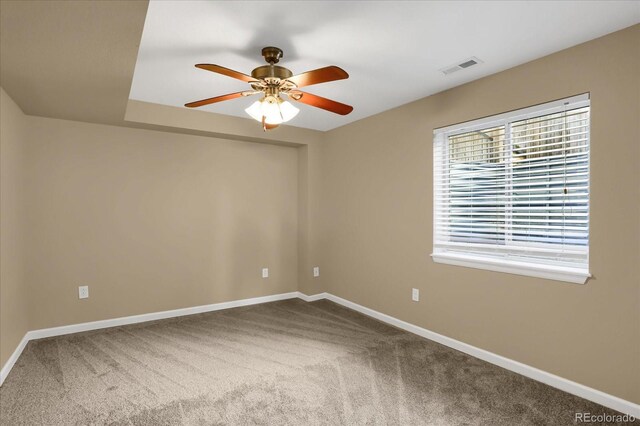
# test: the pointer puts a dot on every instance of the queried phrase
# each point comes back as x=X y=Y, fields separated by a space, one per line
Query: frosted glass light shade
x=288 y=111
x=274 y=110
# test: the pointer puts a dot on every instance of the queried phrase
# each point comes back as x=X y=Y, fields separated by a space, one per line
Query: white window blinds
x=513 y=191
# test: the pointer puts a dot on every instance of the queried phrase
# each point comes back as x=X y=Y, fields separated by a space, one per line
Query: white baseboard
x=95 y=325
x=566 y=385
x=313 y=297
x=6 y=368
x=599 y=397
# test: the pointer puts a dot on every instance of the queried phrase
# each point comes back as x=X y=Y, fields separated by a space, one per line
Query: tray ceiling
x=393 y=51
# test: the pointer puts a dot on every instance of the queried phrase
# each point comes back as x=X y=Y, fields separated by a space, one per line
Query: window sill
x=572 y=275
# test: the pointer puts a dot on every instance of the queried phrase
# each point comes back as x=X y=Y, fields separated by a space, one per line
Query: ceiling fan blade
x=208 y=101
x=321 y=75
x=226 y=71
x=320 y=102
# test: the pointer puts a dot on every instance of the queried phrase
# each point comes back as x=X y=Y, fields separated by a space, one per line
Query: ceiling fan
x=273 y=80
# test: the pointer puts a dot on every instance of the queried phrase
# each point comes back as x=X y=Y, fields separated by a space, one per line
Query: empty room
x=319 y=212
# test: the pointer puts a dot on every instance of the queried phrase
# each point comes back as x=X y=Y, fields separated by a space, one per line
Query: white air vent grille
x=462 y=65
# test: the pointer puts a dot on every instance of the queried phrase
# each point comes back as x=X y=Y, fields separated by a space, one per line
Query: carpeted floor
x=281 y=363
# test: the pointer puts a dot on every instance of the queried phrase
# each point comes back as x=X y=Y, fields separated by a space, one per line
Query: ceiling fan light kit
x=273 y=110
x=271 y=81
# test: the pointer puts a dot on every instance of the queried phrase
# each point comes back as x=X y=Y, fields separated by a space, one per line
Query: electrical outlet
x=265 y=272
x=316 y=271
x=415 y=295
x=83 y=292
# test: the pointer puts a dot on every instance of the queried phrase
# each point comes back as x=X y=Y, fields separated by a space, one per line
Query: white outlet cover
x=415 y=295
x=265 y=272
x=316 y=271
x=83 y=292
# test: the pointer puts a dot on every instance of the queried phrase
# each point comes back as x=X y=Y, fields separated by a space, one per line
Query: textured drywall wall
x=153 y=221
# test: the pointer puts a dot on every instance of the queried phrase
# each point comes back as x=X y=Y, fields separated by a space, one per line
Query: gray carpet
x=281 y=363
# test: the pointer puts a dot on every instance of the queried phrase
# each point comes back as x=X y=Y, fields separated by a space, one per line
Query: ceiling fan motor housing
x=271 y=71
x=271 y=74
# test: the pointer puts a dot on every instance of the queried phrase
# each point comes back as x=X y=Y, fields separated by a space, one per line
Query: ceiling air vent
x=462 y=65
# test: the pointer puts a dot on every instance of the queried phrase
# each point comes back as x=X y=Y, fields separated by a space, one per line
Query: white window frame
x=571 y=274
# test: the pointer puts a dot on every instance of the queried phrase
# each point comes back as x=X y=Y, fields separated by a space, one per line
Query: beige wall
x=14 y=321
x=376 y=222
x=152 y=221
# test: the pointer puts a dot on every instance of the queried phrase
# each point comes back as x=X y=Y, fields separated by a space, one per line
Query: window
x=511 y=192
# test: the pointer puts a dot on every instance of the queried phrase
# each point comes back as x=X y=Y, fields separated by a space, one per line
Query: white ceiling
x=392 y=50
